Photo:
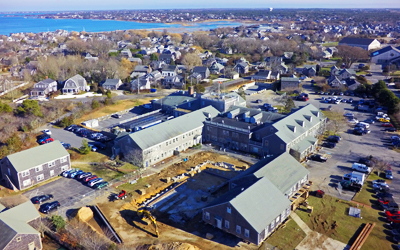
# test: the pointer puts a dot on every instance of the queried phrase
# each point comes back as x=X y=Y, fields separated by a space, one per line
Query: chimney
x=190 y=90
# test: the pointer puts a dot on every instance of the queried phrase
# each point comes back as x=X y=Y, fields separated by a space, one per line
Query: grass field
x=330 y=217
x=332 y=44
x=281 y=239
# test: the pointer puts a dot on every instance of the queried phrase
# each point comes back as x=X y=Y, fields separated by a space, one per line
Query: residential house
x=24 y=169
x=309 y=70
x=176 y=81
x=167 y=58
x=141 y=83
x=154 y=77
x=195 y=78
x=227 y=51
x=258 y=199
x=203 y=71
x=241 y=68
x=135 y=60
x=152 y=145
x=157 y=65
x=91 y=58
x=112 y=84
x=261 y=75
x=126 y=53
x=169 y=70
x=75 y=84
x=386 y=55
x=43 y=88
x=364 y=43
x=17 y=227
x=216 y=68
x=290 y=83
x=140 y=70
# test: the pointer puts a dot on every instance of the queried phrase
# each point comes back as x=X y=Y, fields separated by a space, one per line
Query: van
x=361 y=168
x=362 y=124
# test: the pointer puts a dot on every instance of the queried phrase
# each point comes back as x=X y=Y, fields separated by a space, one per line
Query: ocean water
x=22 y=23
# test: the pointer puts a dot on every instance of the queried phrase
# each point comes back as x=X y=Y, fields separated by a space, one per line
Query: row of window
x=227 y=225
x=40 y=168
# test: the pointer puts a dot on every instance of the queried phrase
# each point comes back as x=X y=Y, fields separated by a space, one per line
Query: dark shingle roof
x=113 y=82
x=354 y=40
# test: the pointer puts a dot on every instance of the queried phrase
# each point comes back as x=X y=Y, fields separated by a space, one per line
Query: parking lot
x=69 y=192
x=112 y=121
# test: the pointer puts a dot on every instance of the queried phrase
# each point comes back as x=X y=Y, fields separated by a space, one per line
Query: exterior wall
x=25 y=240
x=230 y=137
x=8 y=170
x=273 y=145
x=47 y=172
x=289 y=85
x=234 y=219
x=385 y=57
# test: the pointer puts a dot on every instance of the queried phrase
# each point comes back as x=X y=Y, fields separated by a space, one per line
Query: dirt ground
x=185 y=201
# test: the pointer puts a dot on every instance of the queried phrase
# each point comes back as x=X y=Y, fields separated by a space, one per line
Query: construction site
x=166 y=208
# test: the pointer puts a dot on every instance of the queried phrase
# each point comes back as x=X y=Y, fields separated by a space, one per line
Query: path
x=314 y=240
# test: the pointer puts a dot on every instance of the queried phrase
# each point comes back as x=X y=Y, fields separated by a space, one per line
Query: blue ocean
x=23 y=23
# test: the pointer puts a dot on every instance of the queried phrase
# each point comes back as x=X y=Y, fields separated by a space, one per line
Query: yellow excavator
x=144 y=212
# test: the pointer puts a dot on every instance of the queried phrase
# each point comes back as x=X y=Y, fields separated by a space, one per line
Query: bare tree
x=336 y=122
x=380 y=165
x=351 y=54
x=190 y=60
x=76 y=46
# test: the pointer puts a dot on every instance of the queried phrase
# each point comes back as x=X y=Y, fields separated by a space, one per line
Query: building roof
x=289 y=79
x=161 y=132
x=199 y=69
x=169 y=68
x=79 y=80
x=47 y=81
x=260 y=204
x=174 y=100
x=36 y=156
x=298 y=122
x=385 y=49
x=112 y=82
x=358 y=41
x=15 y=221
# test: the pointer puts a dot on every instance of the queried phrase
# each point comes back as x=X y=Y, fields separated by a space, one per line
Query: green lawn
x=101 y=171
x=332 y=44
x=287 y=237
x=330 y=217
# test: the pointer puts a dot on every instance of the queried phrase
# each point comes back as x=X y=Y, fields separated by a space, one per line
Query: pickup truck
x=352 y=186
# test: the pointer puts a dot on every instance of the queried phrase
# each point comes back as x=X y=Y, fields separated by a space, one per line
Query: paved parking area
x=111 y=122
x=65 y=190
x=68 y=137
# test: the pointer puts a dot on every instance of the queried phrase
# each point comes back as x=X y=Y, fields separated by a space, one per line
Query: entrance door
x=218 y=222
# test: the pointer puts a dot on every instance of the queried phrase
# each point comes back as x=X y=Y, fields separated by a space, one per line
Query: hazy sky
x=58 y=5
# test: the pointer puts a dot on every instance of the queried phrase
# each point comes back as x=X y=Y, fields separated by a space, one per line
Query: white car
x=47 y=131
x=349 y=115
x=353 y=121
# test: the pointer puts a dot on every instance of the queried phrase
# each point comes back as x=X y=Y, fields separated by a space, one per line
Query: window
x=51 y=172
x=278 y=219
x=207 y=215
x=226 y=224
x=25 y=173
x=39 y=168
x=40 y=177
x=228 y=209
x=225 y=132
x=64 y=159
x=18 y=239
x=166 y=144
x=26 y=182
x=51 y=164
x=238 y=229
x=246 y=233
x=173 y=140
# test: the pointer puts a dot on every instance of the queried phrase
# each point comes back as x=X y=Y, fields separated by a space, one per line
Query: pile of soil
x=168 y=246
x=85 y=214
x=324 y=223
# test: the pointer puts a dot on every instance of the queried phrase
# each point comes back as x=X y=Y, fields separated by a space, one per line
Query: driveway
x=68 y=192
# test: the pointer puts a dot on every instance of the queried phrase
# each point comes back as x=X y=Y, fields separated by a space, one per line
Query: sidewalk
x=314 y=240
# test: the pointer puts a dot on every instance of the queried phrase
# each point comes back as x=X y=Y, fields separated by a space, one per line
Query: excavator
x=144 y=212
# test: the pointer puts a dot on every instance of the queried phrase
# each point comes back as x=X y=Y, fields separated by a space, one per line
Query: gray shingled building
x=26 y=168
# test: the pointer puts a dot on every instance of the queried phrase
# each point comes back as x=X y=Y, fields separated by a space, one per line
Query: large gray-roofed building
x=16 y=231
x=156 y=143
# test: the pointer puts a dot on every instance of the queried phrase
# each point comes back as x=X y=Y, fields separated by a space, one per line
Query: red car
x=89 y=178
x=392 y=213
x=385 y=200
x=386 y=124
x=394 y=219
x=47 y=140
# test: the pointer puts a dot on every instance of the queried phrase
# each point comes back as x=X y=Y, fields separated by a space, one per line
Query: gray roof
x=358 y=41
x=78 y=79
x=36 y=156
x=111 y=82
x=159 y=133
x=169 y=68
x=289 y=128
x=200 y=69
x=289 y=79
x=47 y=81
x=260 y=204
x=175 y=100
x=14 y=221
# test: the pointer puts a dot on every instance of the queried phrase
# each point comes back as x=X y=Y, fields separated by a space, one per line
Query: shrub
x=58 y=222
x=84 y=149
x=95 y=104
x=397 y=85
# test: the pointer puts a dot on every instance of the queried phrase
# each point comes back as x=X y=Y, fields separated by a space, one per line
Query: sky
x=64 y=5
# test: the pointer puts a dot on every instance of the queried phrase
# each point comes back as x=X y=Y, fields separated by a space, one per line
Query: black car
x=358 y=132
x=66 y=145
x=329 y=145
x=384 y=195
x=41 y=198
x=98 y=145
x=334 y=138
x=43 y=136
x=72 y=128
x=83 y=175
x=365 y=161
x=48 y=207
x=391 y=129
x=319 y=158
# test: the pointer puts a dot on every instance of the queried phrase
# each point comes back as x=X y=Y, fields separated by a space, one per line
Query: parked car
x=83 y=175
x=47 y=131
x=391 y=129
x=393 y=219
x=91 y=183
x=318 y=157
x=349 y=115
x=329 y=145
x=370 y=121
x=92 y=147
x=73 y=171
x=353 y=121
x=384 y=120
x=41 y=198
x=381 y=186
x=381 y=181
x=66 y=145
x=383 y=195
x=387 y=125
x=116 y=116
x=361 y=168
x=385 y=200
x=267 y=105
x=101 y=185
x=72 y=128
x=388 y=174
x=48 y=207
x=367 y=162
x=74 y=174
x=89 y=178
x=358 y=131
x=334 y=138
x=390 y=213
x=390 y=206
x=66 y=173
